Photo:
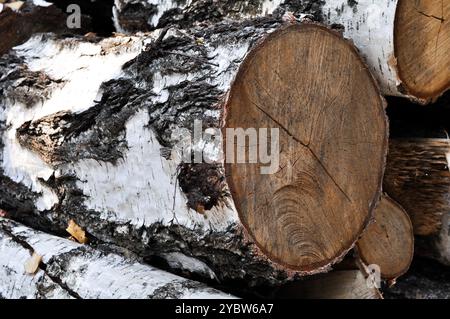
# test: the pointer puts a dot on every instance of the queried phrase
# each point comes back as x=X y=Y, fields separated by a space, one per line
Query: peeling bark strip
x=70 y=270
x=418 y=177
x=388 y=241
x=104 y=152
x=404 y=42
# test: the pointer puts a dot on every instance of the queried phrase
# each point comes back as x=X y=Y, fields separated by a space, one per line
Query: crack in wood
x=307 y=146
x=431 y=16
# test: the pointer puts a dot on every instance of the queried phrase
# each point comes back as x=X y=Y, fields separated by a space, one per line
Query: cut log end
x=389 y=241
x=314 y=206
x=422 y=45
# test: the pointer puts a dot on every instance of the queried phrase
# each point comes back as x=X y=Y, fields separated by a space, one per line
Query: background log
x=339 y=284
x=388 y=241
x=110 y=160
x=418 y=177
x=403 y=41
x=71 y=270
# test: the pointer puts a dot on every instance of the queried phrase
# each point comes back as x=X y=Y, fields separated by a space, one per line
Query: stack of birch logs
x=98 y=198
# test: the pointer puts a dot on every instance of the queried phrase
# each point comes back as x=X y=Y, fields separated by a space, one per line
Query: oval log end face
x=310 y=206
x=389 y=241
x=422 y=46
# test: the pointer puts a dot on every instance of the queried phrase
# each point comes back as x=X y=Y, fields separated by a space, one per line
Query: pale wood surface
x=388 y=241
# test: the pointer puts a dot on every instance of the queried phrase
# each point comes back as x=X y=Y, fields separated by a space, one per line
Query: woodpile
x=219 y=144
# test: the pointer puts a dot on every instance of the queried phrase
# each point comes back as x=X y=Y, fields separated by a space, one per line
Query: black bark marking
x=22 y=242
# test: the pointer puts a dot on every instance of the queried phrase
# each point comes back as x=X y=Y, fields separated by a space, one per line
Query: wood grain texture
x=418 y=178
x=388 y=241
x=422 y=45
x=315 y=206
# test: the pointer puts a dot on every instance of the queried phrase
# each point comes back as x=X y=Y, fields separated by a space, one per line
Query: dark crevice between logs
x=409 y=120
x=426 y=279
x=17 y=27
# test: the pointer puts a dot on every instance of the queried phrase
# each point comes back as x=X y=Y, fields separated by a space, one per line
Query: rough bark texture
x=70 y=270
x=417 y=176
x=132 y=16
x=100 y=129
x=383 y=41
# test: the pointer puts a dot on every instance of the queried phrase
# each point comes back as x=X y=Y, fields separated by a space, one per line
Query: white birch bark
x=368 y=23
x=71 y=270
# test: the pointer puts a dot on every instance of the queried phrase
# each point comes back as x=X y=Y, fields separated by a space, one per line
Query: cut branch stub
x=316 y=204
x=388 y=242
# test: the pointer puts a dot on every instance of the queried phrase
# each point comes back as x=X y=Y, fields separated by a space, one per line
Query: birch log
x=109 y=155
x=418 y=177
x=388 y=242
x=405 y=43
x=70 y=270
